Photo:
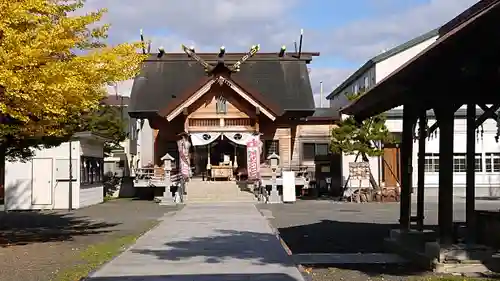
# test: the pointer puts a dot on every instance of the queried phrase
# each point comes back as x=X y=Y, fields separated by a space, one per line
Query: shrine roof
x=283 y=81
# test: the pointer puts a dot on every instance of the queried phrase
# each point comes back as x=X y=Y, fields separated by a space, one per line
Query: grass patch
x=109 y=198
x=98 y=254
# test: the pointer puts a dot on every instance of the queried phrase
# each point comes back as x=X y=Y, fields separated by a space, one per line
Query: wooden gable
x=231 y=105
x=221 y=108
x=220 y=86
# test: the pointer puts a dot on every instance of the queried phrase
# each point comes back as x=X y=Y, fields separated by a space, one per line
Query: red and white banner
x=254 y=148
x=184 y=166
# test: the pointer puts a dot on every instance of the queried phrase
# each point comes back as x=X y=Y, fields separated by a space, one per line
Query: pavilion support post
x=470 y=196
x=445 y=116
x=409 y=120
x=422 y=137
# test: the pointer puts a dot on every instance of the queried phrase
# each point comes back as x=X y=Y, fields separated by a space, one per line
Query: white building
x=43 y=182
x=386 y=169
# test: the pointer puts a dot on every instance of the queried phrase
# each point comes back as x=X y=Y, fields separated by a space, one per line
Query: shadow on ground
x=21 y=228
x=328 y=236
x=259 y=248
x=201 y=277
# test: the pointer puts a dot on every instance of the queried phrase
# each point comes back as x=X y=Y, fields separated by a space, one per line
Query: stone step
x=211 y=192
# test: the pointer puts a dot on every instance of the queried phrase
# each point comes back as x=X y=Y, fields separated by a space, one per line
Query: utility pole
x=321 y=94
x=70 y=184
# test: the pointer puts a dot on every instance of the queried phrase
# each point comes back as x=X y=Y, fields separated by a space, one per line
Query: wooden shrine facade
x=218 y=94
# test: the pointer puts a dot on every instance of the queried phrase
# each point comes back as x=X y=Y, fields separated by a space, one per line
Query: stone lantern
x=274 y=196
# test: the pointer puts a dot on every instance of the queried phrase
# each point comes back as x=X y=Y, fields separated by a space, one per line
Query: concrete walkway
x=223 y=242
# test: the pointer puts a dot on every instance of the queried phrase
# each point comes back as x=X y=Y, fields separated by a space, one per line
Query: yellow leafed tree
x=54 y=64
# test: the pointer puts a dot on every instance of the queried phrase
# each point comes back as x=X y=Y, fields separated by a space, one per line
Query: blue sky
x=322 y=16
x=346 y=32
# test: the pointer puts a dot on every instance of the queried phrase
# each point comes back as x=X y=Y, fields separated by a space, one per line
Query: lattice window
x=460 y=163
x=238 y=122
x=431 y=163
x=204 y=122
x=492 y=162
x=310 y=150
x=270 y=147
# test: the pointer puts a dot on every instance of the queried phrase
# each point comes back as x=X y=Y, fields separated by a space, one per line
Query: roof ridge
x=406 y=45
x=383 y=56
x=466 y=15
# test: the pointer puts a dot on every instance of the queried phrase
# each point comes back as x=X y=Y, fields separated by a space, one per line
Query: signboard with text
x=253 y=157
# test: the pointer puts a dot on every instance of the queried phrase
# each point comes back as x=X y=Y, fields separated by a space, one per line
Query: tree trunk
x=2 y=171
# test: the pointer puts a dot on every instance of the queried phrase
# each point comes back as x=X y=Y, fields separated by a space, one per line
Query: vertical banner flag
x=254 y=146
x=183 y=146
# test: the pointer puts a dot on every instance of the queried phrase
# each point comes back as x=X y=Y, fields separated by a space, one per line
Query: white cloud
x=331 y=78
x=234 y=23
x=361 y=40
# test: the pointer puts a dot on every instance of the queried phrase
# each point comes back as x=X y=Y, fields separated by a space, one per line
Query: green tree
x=107 y=121
x=363 y=139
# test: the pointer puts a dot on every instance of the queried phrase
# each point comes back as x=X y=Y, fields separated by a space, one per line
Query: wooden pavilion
x=461 y=68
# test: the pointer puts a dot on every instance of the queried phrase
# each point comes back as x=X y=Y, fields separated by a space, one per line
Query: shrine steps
x=199 y=191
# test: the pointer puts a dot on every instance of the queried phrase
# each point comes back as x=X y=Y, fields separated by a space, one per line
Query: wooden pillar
x=156 y=145
x=409 y=120
x=470 y=194
x=445 y=117
x=422 y=136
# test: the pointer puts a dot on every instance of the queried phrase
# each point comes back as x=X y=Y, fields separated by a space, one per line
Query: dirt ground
x=35 y=246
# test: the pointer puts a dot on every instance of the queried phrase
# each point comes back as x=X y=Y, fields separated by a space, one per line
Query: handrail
x=149 y=174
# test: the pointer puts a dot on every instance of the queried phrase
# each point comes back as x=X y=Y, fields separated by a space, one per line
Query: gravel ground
x=384 y=273
x=366 y=272
x=328 y=227
x=36 y=245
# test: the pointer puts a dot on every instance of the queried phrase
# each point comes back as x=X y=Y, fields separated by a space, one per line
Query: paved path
x=205 y=242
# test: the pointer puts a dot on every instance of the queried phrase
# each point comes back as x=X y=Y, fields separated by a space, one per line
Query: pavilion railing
x=155 y=175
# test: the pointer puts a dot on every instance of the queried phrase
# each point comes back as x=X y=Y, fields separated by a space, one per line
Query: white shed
x=43 y=182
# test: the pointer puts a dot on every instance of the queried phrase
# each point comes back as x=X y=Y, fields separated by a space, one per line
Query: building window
x=270 y=147
x=431 y=163
x=311 y=150
x=91 y=170
x=221 y=105
x=460 y=163
x=478 y=163
x=492 y=162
